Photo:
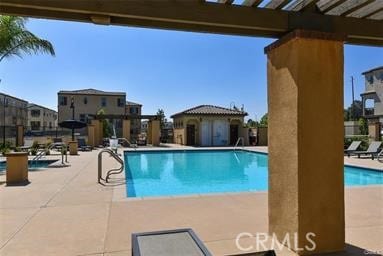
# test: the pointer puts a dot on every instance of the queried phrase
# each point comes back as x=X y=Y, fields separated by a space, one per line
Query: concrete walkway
x=64 y=211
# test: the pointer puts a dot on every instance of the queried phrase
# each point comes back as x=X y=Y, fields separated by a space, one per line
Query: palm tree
x=16 y=40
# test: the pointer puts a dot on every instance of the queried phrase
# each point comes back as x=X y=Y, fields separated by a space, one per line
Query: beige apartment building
x=134 y=109
x=41 y=118
x=89 y=102
x=13 y=112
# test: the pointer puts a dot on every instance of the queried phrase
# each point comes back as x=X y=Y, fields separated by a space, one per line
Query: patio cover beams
x=202 y=16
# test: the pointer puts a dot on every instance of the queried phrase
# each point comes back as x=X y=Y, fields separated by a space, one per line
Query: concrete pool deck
x=64 y=211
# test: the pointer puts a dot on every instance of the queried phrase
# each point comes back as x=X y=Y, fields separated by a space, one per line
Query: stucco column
x=19 y=135
x=149 y=132
x=374 y=130
x=305 y=106
x=97 y=131
x=126 y=129
x=91 y=136
x=155 y=132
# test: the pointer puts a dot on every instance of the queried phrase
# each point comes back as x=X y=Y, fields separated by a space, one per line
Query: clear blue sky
x=160 y=69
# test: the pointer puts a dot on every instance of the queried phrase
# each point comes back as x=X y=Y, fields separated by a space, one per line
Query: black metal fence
x=8 y=134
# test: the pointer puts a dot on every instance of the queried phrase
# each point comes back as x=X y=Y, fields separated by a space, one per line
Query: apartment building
x=134 y=109
x=41 y=118
x=88 y=102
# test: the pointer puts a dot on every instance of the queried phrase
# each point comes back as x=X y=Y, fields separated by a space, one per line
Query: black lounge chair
x=82 y=145
x=372 y=150
x=174 y=243
x=28 y=143
x=353 y=147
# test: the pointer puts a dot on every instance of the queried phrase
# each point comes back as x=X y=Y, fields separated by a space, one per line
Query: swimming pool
x=32 y=165
x=166 y=173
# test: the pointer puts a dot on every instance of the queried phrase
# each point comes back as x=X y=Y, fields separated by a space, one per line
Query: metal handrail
x=380 y=156
x=112 y=171
x=130 y=144
x=51 y=146
x=238 y=140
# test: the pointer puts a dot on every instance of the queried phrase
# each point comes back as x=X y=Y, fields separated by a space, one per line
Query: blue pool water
x=31 y=164
x=208 y=171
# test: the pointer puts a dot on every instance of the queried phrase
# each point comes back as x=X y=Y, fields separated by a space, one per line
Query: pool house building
x=208 y=125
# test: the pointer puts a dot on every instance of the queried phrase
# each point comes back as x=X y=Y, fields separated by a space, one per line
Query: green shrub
x=35 y=145
x=33 y=151
x=5 y=147
x=363 y=139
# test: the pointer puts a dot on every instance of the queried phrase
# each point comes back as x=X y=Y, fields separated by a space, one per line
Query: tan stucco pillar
x=155 y=132
x=149 y=132
x=73 y=148
x=97 y=131
x=91 y=136
x=19 y=135
x=17 y=167
x=305 y=106
x=374 y=130
x=126 y=129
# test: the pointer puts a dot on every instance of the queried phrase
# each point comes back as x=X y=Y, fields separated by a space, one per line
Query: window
x=35 y=125
x=370 y=79
x=103 y=102
x=120 y=102
x=63 y=101
x=85 y=100
x=83 y=118
x=35 y=112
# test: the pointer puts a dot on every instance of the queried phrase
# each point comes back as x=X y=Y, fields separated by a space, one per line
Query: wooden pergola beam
x=277 y=4
x=253 y=3
x=301 y=5
x=197 y=17
x=368 y=10
x=327 y=5
x=349 y=7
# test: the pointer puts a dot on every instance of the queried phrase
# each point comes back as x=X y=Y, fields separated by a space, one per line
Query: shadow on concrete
x=352 y=250
x=18 y=184
x=113 y=182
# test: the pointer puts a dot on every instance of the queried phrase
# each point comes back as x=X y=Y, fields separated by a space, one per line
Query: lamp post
x=4 y=106
x=72 y=107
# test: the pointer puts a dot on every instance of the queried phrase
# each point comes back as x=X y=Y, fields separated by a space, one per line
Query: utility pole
x=353 y=98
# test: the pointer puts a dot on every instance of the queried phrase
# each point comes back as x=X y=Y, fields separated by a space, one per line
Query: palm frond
x=15 y=40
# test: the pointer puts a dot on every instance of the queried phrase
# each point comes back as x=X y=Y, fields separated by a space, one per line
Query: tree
x=264 y=120
x=354 y=111
x=363 y=126
x=161 y=114
x=106 y=127
x=251 y=123
x=16 y=40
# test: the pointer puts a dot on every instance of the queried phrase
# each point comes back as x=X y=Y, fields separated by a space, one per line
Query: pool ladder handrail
x=131 y=145
x=380 y=156
x=43 y=152
x=238 y=140
x=112 y=171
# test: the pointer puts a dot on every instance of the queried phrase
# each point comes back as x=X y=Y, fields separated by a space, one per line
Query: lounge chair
x=353 y=147
x=57 y=140
x=82 y=145
x=372 y=150
x=174 y=243
x=27 y=145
